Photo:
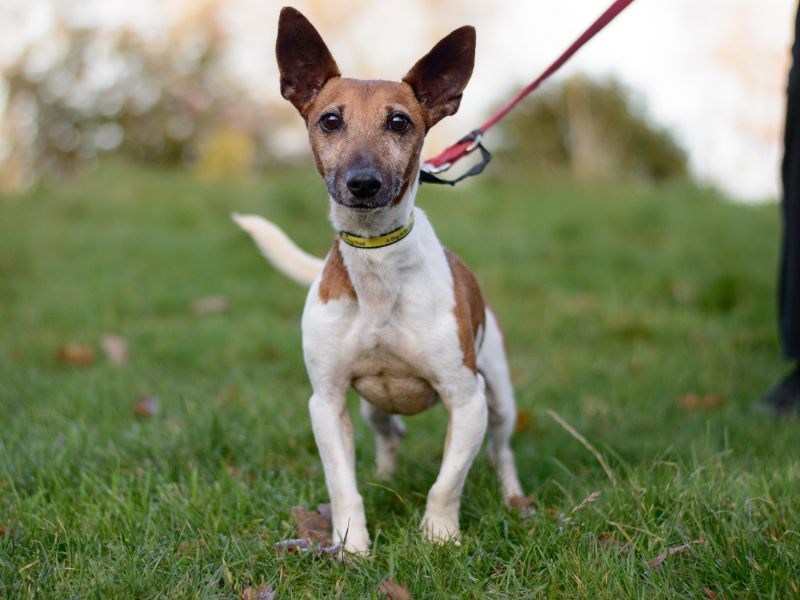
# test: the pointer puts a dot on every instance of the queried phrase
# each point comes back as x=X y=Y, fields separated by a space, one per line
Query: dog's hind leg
x=389 y=430
x=492 y=363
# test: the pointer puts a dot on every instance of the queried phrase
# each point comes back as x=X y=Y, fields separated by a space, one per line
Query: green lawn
x=617 y=299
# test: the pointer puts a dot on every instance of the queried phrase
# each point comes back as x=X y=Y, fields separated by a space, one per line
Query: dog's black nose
x=363 y=183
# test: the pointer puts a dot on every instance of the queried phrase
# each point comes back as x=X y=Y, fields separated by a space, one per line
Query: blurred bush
x=168 y=101
x=593 y=128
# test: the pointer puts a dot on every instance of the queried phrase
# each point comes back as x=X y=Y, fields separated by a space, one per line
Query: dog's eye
x=330 y=122
x=399 y=123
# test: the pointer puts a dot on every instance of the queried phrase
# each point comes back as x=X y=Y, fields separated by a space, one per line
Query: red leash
x=471 y=141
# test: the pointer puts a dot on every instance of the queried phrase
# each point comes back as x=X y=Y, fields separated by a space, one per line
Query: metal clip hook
x=476 y=136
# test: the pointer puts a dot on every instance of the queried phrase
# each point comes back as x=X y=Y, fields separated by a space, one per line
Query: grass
x=616 y=299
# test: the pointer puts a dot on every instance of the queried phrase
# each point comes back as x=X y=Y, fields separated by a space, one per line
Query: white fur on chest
x=390 y=342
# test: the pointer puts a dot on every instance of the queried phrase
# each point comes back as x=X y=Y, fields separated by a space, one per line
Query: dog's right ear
x=304 y=61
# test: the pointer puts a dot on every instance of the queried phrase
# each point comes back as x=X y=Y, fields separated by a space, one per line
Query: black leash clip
x=428 y=173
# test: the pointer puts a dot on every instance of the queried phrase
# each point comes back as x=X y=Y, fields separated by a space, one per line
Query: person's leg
x=790 y=260
x=785 y=397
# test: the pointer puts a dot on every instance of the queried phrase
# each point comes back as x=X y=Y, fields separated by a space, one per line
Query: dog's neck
x=376 y=222
x=378 y=274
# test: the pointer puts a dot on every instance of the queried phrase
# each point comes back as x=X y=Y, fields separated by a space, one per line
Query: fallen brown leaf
x=394 y=590
x=325 y=511
x=521 y=503
x=773 y=533
x=655 y=563
x=524 y=421
x=146 y=407
x=210 y=305
x=608 y=540
x=304 y=545
x=187 y=547
x=312 y=534
x=116 y=349
x=6 y=531
x=230 y=392
x=76 y=354
x=263 y=592
x=700 y=402
x=313 y=525
x=709 y=593
x=293 y=546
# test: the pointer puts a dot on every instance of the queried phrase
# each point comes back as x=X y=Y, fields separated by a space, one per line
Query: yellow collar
x=387 y=239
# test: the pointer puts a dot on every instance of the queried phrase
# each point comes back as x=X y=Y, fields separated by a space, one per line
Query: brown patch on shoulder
x=469 y=310
x=335 y=281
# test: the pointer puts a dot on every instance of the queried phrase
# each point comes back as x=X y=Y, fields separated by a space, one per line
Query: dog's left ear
x=439 y=78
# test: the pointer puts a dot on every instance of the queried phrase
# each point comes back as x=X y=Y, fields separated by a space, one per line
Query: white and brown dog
x=391 y=312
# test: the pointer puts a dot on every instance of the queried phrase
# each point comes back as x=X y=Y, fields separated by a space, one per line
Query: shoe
x=784 y=399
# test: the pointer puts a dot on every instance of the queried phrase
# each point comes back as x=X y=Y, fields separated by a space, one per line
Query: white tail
x=282 y=252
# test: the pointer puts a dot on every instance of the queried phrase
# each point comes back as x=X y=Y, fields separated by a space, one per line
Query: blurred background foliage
x=168 y=101
x=172 y=101
x=595 y=129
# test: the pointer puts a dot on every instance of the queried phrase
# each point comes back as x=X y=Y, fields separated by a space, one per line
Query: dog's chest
x=394 y=338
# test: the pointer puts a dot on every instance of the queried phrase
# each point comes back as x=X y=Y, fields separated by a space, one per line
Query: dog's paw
x=441 y=529
x=355 y=543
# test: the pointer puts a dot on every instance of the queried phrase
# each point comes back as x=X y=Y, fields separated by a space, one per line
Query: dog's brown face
x=366 y=136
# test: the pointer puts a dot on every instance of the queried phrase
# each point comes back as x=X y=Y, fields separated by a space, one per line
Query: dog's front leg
x=466 y=404
x=333 y=432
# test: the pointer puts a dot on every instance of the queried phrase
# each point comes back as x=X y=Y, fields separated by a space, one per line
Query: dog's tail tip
x=248 y=222
x=281 y=251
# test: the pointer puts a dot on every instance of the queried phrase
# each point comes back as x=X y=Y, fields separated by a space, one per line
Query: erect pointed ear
x=439 y=78
x=304 y=61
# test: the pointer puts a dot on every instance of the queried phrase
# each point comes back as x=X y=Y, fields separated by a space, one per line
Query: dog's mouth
x=362 y=202
x=358 y=205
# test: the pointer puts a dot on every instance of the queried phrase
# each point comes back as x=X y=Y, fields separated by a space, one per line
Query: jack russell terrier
x=390 y=311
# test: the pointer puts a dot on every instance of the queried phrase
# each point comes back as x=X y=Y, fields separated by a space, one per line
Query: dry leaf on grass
x=608 y=540
x=312 y=534
x=263 y=592
x=304 y=545
x=76 y=354
x=6 y=531
x=522 y=503
x=700 y=402
x=116 y=349
x=325 y=511
x=655 y=563
x=394 y=590
x=313 y=525
x=228 y=393
x=210 y=305
x=188 y=547
x=146 y=407
x=524 y=421
x=709 y=593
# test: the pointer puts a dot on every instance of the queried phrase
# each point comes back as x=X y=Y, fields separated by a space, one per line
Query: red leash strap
x=471 y=141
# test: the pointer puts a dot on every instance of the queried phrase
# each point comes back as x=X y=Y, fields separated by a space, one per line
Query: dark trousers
x=789 y=298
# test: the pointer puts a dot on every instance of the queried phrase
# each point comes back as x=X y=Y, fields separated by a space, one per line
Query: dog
x=390 y=312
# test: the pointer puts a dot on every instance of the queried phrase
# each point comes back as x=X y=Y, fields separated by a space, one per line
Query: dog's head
x=366 y=136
